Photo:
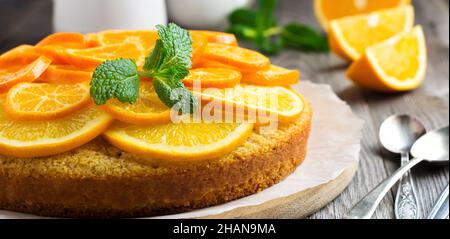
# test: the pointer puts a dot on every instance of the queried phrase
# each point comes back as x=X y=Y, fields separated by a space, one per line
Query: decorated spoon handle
x=406 y=201
x=365 y=208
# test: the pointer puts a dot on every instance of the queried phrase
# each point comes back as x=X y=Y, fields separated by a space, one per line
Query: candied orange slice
x=148 y=108
x=274 y=76
x=11 y=75
x=64 y=40
x=217 y=37
x=236 y=56
x=64 y=74
x=44 y=101
x=213 y=77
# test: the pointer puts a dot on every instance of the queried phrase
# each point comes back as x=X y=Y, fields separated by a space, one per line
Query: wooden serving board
x=298 y=205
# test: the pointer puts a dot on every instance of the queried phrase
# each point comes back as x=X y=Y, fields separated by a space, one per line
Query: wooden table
x=27 y=21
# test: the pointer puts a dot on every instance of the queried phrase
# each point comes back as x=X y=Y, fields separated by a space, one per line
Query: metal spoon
x=432 y=147
x=397 y=134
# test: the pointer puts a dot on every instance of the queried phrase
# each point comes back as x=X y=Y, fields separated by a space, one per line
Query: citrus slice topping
x=64 y=74
x=146 y=38
x=44 y=138
x=148 y=108
x=213 y=77
x=44 y=101
x=217 y=37
x=64 y=40
x=11 y=75
x=92 y=57
x=327 y=10
x=350 y=36
x=277 y=103
x=21 y=55
x=236 y=56
x=397 y=64
x=274 y=76
x=182 y=141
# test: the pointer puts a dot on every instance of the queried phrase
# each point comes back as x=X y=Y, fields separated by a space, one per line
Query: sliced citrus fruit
x=213 y=77
x=11 y=75
x=91 y=57
x=55 y=53
x=181 y=141
x=64 y=74
x=236 y=56
x=198 y=45
x=64 y=40
x=43 y=138
x=350 y=36
x=148 y=108
x=277 y=103
x=217 y=37
x=110 y=37
x=397 y=64
x=327 y=10
x=21 y=55
x=274 y=76
x=44 y=101
x=203 y=63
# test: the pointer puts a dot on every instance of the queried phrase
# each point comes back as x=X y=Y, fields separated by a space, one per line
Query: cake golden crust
x=99 y=180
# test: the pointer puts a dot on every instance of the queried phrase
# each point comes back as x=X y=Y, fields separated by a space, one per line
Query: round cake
x=100 y=180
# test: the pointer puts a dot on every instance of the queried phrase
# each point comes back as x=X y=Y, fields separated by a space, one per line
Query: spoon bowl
x=432 y=147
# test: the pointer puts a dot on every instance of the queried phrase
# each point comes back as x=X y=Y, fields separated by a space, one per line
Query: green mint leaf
x=175 y=95
x=243 y=16
x=115 y=78
x=303 y=37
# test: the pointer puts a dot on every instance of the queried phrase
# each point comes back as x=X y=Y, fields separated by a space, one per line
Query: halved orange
x=45 y=101
x=397 y=64
x=65 y=40
x=21 y=55
x=148 y=108
x=217 y=37
x=236 y=56
x=350 y=36
x=29 y=139
x=11 y=75
x=213 y=77
x=274 y=76
x=327 y=10
x=90 y=58
x=179 y=141
x=64 y=74
x=276 y=103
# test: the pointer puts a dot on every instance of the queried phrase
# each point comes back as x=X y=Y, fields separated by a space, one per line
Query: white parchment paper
x=334 y=146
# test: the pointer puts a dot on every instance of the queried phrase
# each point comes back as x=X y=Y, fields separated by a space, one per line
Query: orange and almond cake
x=141 y=123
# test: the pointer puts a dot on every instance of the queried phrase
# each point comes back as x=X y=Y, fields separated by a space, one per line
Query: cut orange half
x=44 y=101
x=213 y=77
x=28 y=139
x=148 y=108
x=350 y=36
x=397 y=64
x=236 y=56
x=327 y=10
x=274 y=76
x=11 y=75
x=181 y=141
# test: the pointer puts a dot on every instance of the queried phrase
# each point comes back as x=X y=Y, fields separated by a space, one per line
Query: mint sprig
x=261 y=28
x=168 y=64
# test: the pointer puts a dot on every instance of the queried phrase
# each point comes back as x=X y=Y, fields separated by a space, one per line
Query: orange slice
x=397 y=64
x=64 y=74
x=274 y=76
x=28 y=139
x=236 y=56
x=203 y=63
x=198 y=45
x=278 y=103
x=217 y=37
x=9 y=76
x=44 y=101
x=213 y=77
x=64 y=40
x=91 y=57
x=327 y=10
x=111 y=37
x=350 y=36
x=148 y=108
x=179 y=142
x=21 y=55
